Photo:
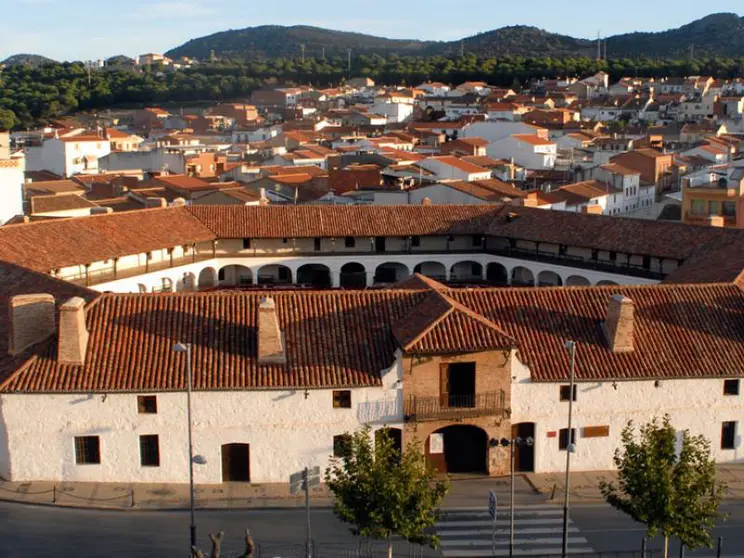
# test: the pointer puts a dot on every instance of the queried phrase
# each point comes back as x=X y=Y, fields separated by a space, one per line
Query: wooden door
x=444 y=385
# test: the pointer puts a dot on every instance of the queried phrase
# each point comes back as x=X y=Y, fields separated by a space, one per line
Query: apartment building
x=714 y=198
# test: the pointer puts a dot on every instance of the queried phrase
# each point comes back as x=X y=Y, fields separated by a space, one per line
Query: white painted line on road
x=505 y=542
x=503 y=507
x=505 y=513
x=504 y=532
x=486 y=552
x=487 y=523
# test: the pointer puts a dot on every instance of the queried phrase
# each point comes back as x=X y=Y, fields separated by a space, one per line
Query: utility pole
x=571 y=346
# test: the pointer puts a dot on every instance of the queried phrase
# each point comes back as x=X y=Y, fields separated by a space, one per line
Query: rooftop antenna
x=302 y=48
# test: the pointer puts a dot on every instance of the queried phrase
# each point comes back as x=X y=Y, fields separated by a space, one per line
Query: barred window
x=150 y=450
x=87 y=450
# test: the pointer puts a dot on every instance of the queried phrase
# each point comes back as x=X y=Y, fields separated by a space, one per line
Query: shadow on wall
x=5 y=472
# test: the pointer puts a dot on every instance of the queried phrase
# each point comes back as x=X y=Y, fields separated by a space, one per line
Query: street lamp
x=511 y=443
x=185 y=348
x=570 y=447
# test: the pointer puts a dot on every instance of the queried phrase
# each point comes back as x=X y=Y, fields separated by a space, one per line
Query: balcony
x=452 y=407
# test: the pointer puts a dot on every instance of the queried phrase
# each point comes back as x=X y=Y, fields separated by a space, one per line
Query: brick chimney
x=271 y=349
x=619 y=324
x=31 y=321
x=156 y=202
x=715 y=221
x=263 y=200
x=73 y=334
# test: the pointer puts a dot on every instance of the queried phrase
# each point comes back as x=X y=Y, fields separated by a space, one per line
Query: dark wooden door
x=379 y=244
x=524 y=455
x=236 y=463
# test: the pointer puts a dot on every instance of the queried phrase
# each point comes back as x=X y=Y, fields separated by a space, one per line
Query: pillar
x=370 y=278
x=335 y=278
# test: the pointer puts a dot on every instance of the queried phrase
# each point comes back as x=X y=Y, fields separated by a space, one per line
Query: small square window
x=342 y=399
x=415 y=241
x=150 y=450
x=731 y=387
x=316 y=244
x=147 y=404
x=565 y=393
x=563 y=438
x=613 y=256
x=284 y=240
x=350 y=242
x=246 y=244
x=341 y=445
x=728 y=435
x=87 y=450
x=477 y=240
x=149 y=256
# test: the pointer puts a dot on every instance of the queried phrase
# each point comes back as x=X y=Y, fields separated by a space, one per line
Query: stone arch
x=458 y=448
x=523 y=277
x=235 y=276
x=467 y=271
x=207 y=278
x=577 y=281
x=274 y=274
x=434 y=270
x=391 y=272
x=497 y=274
x=549 y=279
x=314 y=274
x=607 y=283
x=353 y=276
x=186 y=283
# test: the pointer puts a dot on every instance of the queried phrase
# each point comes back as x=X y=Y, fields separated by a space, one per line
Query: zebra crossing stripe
x=505 y=532
x=505 y=542
x=485 y=553
x=488 y=523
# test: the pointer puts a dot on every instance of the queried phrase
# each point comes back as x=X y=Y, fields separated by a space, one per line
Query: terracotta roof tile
x=64 y=202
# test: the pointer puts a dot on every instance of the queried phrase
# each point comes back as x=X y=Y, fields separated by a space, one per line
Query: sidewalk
x=584 y=486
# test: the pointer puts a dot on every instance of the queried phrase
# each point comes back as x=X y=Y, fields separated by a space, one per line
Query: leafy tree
x=7 y=119
x=381 y=493
x=673 y=494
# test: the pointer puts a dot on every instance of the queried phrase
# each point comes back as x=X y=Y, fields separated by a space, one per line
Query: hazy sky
x=88 y=29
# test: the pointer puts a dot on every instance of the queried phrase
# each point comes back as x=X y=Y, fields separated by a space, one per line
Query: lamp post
x=185 y=348
x=570 y=448
x=511 y=443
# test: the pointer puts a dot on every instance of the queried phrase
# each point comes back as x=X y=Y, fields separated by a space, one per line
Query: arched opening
x=466 y=272
x=522 y=277
x=460 y=448
x=524 y=454
x=607 y=284
x=390 y=272
x=275 y=274
x=497 y=274
x=549 y=279
x=353 y=276
x=236 y=463
x=316 y=275
x=186 y=283
x=577 y=281
x=235 y=276
x=207 y=278
x=395 y=434
x=434 y=270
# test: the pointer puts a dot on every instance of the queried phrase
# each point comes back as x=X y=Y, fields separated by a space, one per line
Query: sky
x=93 y=29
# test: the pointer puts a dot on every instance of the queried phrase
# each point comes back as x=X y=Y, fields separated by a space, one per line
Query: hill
x=717 y=34
x=30 y=59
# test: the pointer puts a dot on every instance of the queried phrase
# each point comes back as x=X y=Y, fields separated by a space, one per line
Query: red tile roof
x=459 y=164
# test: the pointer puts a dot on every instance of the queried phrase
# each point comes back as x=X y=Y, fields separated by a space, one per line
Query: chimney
x=73 y=335
x=179 y=202
x=271 y=348
x=156 y=202
x=263 y=200
x=715 y=221
x=31 y=321
x=619 y=324
x=101 y=210
x=426 y=201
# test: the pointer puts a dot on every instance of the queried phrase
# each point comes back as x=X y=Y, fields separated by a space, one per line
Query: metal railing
x=454 y=406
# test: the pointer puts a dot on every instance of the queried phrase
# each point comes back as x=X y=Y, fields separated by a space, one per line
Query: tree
x=7 y=119
x=382 y=493
x=673 y=494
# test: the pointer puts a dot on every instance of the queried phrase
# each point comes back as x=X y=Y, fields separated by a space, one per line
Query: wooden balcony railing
x=454 y=406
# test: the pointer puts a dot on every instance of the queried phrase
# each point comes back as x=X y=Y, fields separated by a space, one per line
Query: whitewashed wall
x=697 y=405
x=286 y=431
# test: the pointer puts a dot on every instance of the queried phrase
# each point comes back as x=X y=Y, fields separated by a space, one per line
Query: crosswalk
x=538 y=531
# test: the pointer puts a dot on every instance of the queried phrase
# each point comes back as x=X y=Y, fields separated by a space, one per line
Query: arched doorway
x=577 y=281
x=434 y=270
x=275 y=274
x=236 y=463
x=207 y=278
x=524 y=454
x=390 y=272
x=497 y=274
x=316 y=275
x=186 y=283
x=235 y=276
x=466 y=271
x=549 y=279
x=353 y=276
x=522 y=277
x=607 y=284
x=460 y=448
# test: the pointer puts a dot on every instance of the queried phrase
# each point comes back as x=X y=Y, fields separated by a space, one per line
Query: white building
x=528 y=150
x=68 y=155
x=494 y=131
x=11 y=180
x=628 y=181
x=451 y=168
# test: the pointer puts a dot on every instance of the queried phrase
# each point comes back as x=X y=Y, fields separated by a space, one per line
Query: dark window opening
x=341 y=445
x=728 y=435
x=646 y=262
x=562 y=249
x=350 y=242
x=477 y=240
x=246 y=244
x=342 y=399
x=284 y=240
x=565 y=393
x=563 y=438
x=316 y=244
x=380 y=244
x=284 y=274
x=460 y=384
x=147 y=404
x=731 y=387
x=613 y=256
x=415 y=241
x=87 y=450
x=150 y=450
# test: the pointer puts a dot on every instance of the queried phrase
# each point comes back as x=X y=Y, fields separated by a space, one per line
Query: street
x=41 y=531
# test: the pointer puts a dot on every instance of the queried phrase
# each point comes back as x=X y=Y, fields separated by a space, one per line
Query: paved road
x=38 y=531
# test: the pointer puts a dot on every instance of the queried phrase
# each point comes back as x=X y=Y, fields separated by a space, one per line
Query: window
x=415 y=241
x=147 y=404
x=563 y=438
x=698 y=207
x=149 y=256
x=477 y=240
x=613 y=256
x=316 y=244
x=565 y=393
x=87 y=450
x=728 y=435
x=451 y=238
x=731 y=387
x=350 y=242
x=342 y=399
x=562 y=248
x=728 y=209
x=284 y=240
x=246 y=244
x=646 y=262
x=341 y=445
x=714 y=208
x=150 y=450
